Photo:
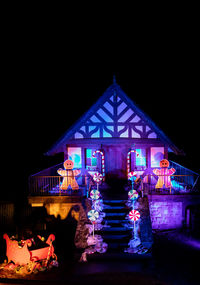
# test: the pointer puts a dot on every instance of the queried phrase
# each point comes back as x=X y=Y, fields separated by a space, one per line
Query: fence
x=179 y=184
x=52 y=185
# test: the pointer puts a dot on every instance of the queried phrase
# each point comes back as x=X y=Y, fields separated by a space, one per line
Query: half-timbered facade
x=114 y=125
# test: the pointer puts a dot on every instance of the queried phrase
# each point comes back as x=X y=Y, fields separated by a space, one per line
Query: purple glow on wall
x=165 y=214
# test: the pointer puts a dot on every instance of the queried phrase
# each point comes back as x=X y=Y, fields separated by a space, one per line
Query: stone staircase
x=118 y=232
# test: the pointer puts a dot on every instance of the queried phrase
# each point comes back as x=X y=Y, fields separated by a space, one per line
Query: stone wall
x=169 y=211
x=145 y=222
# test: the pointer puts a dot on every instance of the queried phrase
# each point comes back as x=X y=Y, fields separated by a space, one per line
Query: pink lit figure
x=164 y=174
x=69 y=175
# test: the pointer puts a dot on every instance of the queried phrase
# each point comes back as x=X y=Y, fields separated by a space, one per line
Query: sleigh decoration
x=21 y=255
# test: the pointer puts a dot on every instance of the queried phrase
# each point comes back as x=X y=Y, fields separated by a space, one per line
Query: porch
x=48 y=183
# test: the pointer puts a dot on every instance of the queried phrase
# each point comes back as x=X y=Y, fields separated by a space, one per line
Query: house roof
x=114 y=115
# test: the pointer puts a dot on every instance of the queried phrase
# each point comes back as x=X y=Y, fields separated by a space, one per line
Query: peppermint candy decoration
x=94 y=194
x=132 y=174
x=93 y=215
x=132 y=194
x=97 y=177
x=134 y=215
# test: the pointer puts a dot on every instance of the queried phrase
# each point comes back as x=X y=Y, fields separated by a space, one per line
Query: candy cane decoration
x=102 y=161
x=128 y=159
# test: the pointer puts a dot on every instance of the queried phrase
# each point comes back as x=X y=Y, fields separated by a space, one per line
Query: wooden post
x=59 y=186
x=142 y=188
x=83 y=150
x=93 y=229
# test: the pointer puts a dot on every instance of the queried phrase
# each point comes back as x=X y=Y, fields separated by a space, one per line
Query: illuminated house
x=117 y=128
x=114 y=125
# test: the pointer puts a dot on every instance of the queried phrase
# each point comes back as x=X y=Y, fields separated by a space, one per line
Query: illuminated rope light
x=102 y=161
x=129 y=158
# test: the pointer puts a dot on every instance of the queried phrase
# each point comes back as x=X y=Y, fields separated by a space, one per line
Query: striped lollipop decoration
x=134 y=215
x=132 y=194
x=93 y=215
x=94 y=194
x=132 y=175
x=98 y=177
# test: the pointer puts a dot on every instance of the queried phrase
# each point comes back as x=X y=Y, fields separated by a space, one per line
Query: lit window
x=74 y=154
x=157 y=154
x=138 y=159
x=141 y=158
x=91 y=162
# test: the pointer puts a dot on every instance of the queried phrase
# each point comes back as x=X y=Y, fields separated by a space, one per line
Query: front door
x=115 y=163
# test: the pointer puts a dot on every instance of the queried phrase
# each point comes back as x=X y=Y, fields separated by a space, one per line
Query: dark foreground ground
x=174 y=260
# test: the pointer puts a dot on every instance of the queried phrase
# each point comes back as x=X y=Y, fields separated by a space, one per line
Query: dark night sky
x=50 y=80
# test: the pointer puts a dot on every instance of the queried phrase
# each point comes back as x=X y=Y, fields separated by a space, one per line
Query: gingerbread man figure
x=69 y=175
x=164 y=174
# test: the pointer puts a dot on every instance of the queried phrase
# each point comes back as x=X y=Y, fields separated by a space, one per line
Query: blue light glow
x=90 y=160
x=141 y=159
